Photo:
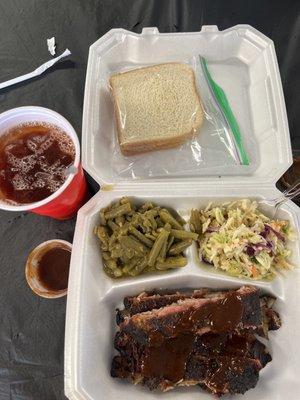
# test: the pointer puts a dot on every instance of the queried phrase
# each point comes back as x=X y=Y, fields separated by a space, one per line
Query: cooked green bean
x=195 y=222
x=172 y=262
x=163 y=250
x=135 y=220
x=112 y=240
x=146 y=206
x=117 y=251
x=168 y=218
x=102 y=218
x=103 y=237
x=180 y=219
x=111 y=264
x=123 y=230
x=130 y=265
x=104 y=246
x=118 y=211
x=151 y=213
x=101 y=232
x=126 y=200
x=150 y=269
x=141 y=237
x=113 y=226
x=179 y=247
x=126 y=256
x=151 y=237
x=170 y=242
x=131 y=243
x=139 y=267
x=108 y=271
x=147 y=224
x=105 y=255
x=158 y=244
x=118 y=273
x=135 y=240
x=181 y=234
x=159 y=222
x=120 y=220
x=153 y=222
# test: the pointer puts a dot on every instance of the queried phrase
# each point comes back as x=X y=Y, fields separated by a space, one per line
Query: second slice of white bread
x=156 y=107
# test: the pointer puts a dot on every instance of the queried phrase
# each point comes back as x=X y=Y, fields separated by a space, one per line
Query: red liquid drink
x=34 y=162
x=40 y=168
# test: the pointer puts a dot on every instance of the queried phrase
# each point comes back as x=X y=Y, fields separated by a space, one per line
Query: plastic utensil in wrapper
x=216 y=101
x=68 y=198
x=38 y=71
x=178 y=117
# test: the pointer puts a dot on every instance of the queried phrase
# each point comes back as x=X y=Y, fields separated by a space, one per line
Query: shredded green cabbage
x=237 y=238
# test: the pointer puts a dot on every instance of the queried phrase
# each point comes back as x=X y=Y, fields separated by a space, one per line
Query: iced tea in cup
x=40 y=168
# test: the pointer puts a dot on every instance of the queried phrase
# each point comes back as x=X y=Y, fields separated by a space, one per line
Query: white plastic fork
x=288 y=194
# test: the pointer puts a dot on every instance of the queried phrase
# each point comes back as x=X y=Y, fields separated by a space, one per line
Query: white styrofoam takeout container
x=93 y=297
x=241 y=60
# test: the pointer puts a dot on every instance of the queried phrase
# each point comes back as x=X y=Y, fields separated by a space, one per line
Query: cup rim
x=71 y=132
x=35 y=252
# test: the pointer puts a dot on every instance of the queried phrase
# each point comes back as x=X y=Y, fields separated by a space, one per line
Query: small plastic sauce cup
x=32 y=268
x=65 y=202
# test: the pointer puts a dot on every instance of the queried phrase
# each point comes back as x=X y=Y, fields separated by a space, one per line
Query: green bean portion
x=136 y=239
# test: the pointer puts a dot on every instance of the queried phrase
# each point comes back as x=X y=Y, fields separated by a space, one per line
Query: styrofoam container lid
x=241 y=59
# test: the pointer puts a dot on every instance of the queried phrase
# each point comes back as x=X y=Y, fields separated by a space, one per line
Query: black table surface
x=32 y=328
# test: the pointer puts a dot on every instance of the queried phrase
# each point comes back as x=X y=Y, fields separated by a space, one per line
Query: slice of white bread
x=156 y=107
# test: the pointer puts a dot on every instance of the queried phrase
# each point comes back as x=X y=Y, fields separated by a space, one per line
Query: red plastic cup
x=65 y=202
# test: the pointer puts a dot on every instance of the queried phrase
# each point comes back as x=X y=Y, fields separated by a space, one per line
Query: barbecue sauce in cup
x=47 y=268
x=53 y=268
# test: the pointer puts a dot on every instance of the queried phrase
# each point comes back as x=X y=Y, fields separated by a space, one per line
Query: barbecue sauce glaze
x=166 y=357
x=168 y=360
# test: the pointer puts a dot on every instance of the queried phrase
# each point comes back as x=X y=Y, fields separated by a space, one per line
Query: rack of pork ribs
x=196 y=337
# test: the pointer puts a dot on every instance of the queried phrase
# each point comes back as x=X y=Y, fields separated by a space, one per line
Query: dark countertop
x=31 y=328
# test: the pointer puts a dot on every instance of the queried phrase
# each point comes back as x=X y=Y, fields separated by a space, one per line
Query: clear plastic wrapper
x=173 y=120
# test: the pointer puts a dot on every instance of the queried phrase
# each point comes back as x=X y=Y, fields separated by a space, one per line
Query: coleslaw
x=239 y=239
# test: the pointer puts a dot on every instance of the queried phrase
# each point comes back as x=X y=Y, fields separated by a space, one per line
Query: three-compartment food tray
x=255 y=93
